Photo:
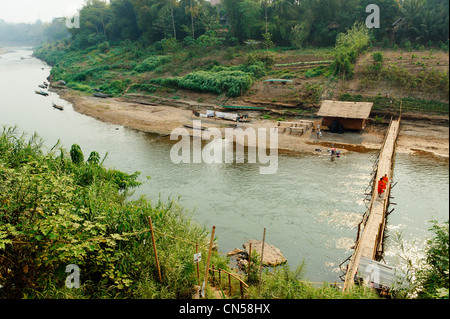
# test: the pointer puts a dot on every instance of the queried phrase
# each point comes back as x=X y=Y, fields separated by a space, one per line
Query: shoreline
x=416 y=137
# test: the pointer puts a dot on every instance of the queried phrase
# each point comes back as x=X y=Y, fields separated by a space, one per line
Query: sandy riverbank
x=155 y=117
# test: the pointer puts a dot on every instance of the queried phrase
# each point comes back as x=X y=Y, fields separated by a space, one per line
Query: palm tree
x=282 y=7
x=425 y=30
x=411 y=11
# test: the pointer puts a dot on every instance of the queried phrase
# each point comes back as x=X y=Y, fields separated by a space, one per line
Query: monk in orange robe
x=385 y=180
x=381 y=186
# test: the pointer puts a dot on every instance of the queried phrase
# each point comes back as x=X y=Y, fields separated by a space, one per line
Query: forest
x=291 y=23
x=286 y=23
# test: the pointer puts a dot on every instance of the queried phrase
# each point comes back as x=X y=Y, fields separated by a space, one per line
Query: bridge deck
x=369 y=242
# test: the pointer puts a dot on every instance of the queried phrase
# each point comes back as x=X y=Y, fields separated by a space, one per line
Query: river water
x=310 y=207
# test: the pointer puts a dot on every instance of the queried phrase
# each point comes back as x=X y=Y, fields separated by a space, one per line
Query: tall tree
x=123 y=25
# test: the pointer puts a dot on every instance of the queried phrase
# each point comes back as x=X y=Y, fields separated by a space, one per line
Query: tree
x=299 y=34
x=250 y=14
x=94 y=17
x=348 y=47
x=123 y=25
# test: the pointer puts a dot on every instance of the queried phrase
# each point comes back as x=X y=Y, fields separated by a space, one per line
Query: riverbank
x=161 y=116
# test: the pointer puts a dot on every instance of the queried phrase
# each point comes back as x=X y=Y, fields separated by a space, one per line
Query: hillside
x=237 y=75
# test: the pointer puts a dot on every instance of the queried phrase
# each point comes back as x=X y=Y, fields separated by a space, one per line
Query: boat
x=283 y=81
x=247 y=108
x=58 y=107
x=42 y=86
x=102 y=95
x=195 y=128
x=41 y=93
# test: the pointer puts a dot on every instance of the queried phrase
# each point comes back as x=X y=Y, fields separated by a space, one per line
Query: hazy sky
x=31 y=10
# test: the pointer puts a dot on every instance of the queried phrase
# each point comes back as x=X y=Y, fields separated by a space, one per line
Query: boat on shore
x=202 y=128
x=40 y=92
x=102 y=95
x=58 y=107
x=247 y=108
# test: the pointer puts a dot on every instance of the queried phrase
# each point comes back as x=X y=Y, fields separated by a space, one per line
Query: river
x=310 y=207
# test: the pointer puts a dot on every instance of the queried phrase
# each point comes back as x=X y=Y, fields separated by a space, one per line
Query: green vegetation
x=407 y=104
x=232 y=80
x=428 y=277
x=57 y=209
x=349 y=46
x=160 y=47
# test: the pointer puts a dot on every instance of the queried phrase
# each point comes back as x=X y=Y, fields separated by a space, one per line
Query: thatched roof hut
x=350 y=115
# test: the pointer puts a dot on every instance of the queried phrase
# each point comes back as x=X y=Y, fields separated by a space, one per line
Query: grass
x=407 y=104
x=58 y=208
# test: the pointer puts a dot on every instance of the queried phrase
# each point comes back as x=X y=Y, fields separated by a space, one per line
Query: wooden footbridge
x=369 y=240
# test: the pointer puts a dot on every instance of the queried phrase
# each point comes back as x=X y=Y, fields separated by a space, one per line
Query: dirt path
x=415 y=136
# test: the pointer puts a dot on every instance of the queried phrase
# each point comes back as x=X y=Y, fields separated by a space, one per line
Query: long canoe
x=41 y=93
x=279 y=80
x=58 y=107
x=248 y=108
x=102 y=95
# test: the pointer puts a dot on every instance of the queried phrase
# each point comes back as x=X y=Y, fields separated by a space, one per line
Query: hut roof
x=350 y=110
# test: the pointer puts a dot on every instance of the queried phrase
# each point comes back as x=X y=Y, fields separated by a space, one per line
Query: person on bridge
x=385 y=180
x=381 y=186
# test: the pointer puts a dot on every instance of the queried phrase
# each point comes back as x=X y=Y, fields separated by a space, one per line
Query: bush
x=104 y=47
x=94 y=72
x=348 y=47
x=143 y=87
x=267 y=58
x=315 y=72
x=377 y=56
x=80 y=87
x=79 y=214
x=232 y=82
x=434 y=279
x=168 y=45
x=152 y=63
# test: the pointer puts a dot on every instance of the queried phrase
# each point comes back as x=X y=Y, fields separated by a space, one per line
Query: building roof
x=349 y=110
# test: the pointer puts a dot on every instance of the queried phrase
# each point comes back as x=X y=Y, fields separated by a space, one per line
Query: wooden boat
x=58 y=107
x=283 y=81
x=41 y=93
x=247 y=108
x=192 y=127
x=102 y=95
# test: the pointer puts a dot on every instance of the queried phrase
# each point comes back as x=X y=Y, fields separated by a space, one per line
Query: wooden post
x=262 y=256
x=249 y=260
x=198 y=270
x=209 y=257
x=154 y=248
x=241 y=286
